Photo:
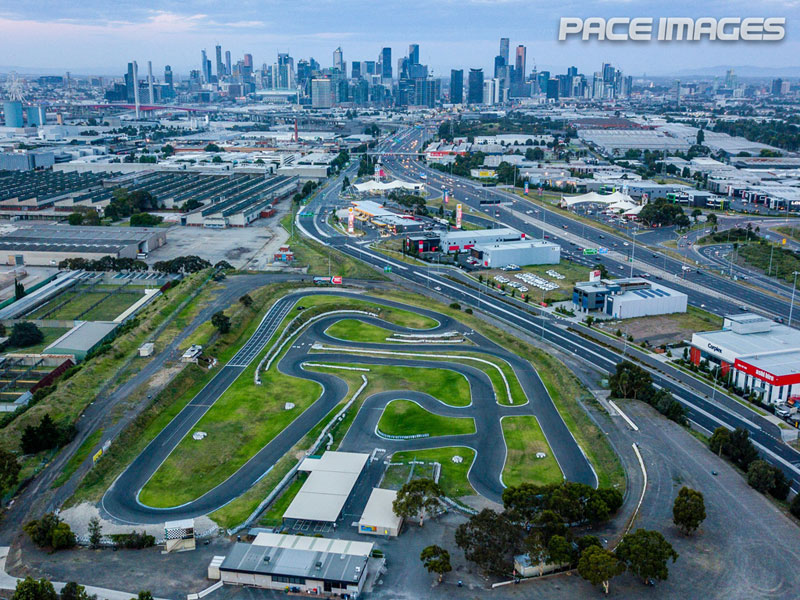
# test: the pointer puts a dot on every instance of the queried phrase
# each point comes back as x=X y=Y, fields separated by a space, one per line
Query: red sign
x=779 y=380
x=336 y=280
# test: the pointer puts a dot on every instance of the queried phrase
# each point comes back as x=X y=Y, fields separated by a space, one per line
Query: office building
x=628 y=298
x=520 y=253
x=168 y=80
x=228 y=62
x=321 y=93
x=760 y=355
x=456 y=86
x=36 y=116
x=504 y=50
x=413 y=54
x=220 y=64
x=12 y=110
x=356 y=69
x=458 y=240
x=338 y=62
x=386 y=64
x=475 y=86
x=519 y=64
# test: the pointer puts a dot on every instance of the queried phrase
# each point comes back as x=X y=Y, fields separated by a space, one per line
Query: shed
x=378 y=517
x=82 y=339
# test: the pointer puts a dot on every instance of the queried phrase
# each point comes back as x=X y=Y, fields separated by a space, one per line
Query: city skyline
x=448 y=38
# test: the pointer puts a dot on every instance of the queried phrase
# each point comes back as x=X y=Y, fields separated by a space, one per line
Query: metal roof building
x=298 y=563
x=378 y=517
x=323 y=495
x=82 y=339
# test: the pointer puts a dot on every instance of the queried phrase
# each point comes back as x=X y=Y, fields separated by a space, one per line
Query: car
x=564 y=226
x=714 y=473
x=301 y=308
x=625 y=244
x=438 y=289
x=602 y=237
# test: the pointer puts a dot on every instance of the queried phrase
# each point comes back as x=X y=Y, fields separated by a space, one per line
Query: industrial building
x=628 y=298
x=458 y=240
x=385 y=218
x=250 y=200
x=82 y=339
x=302 y=564
x=48 y=244
x=26 y=160
x=764 y=356
x=324 y=493
x=527 y=252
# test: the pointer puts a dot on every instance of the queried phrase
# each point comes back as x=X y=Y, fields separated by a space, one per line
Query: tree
x=95 y=533
x=559 y=551
x=719 y=440
x=75 y=218
x=760 y=476
x=630 y=381
x=740 y=449
x=41 y=531
x=701 y=136
x=646 y=553
x=44 y=436
x=144 y=595
x=794 y=507
x=550 y=524
x=145 y=220
x=212 y=148
x=25 y=334
x=782 y=485
x=74 y=591
x=62 y=537
x=436 y=560
x=19 y=289
x=688 y=510
x=34 y=589
x=599 y=566
x=246 y=301
x=416 y=498
x=9 y=471
x=490 y=540
x=221 y=321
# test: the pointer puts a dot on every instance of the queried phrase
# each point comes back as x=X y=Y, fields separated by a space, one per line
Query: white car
x=438 y=289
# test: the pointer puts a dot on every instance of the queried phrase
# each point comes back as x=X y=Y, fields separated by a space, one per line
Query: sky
x=101 y=36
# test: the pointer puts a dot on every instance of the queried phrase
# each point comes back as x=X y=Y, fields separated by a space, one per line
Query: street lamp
x=791 y=305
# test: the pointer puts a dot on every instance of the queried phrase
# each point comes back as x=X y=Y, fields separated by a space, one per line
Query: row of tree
x=632 y=381
x=182 y=265
x=125 y=203
x=42 y=589
x=46 y=435
x=105 y=263
x=663 y=213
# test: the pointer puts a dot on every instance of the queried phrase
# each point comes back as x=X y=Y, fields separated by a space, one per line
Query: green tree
x=74 y=591
x=19 y=291
x=25 y=334
x=75 y=218
x=246 y=301
x=9 y=471
x=559 y=551
x=740 y=449
x=95 y=533
x=550 y=524
x=212 y=148
x=62 y=537
x=599 y=566
x=688 y=510
x=719 y=440
x=144 y=595
x=436 y=560
x=490 y=540
x=701 y=137
x=760 y=476
x=794 y=507
x=221 y=321
x=417 y=497
x=646 y=553
x=34 y=589
x=630 y=381
x=41 y=530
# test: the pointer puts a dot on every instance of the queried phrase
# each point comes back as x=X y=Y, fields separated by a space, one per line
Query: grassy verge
x=81 y=454
x=763 y=255
x=273 y=516
x=524 y=439
x=453 y=477
x=357 y=331
x=322 y=260
x=403 y=417
x=790 y=232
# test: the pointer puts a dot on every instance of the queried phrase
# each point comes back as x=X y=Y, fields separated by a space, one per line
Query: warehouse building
x=48 y=244
x=628 y=298
x=764 y=356
x=82 y=339
x=458 y=240
x=300 y=564
x=527 y=252
x=331 y=479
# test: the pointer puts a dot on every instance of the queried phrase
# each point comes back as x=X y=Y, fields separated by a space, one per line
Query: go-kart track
x=121 y=500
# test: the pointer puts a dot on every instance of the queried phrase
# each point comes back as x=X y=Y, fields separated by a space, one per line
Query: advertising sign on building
x=458 y=216
x=594 y=275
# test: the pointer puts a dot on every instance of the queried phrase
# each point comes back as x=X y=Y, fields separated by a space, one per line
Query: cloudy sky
x=100 y=36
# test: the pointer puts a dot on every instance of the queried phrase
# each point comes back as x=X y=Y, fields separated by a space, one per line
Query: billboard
x=526 y=189
x=458 y=216
x=594 y=275
x=351 y=219
x=446 y=197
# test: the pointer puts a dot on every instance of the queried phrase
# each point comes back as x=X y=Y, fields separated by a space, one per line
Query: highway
x=700 y=408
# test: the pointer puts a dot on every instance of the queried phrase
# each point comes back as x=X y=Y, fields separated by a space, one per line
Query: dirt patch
x=236 y=253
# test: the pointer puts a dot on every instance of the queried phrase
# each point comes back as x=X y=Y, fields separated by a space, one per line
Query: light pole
x=791 y=305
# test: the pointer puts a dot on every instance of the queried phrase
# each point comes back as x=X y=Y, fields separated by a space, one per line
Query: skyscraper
x=356 y=69
x=504 y=50
x=413 y=54
x=519 y=65
x=168 y=79
x=386 y=63
x=321 y=93
x=228 y=62
x=337 y=59
x=220 y=64
x=475 y=86
x=205 y=67
x=12 y=109
x=456 y=86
